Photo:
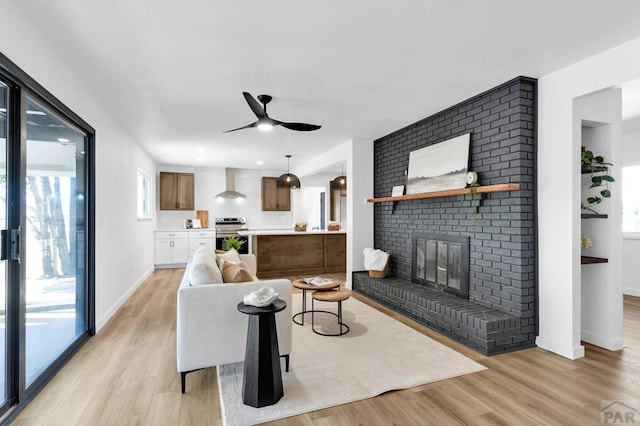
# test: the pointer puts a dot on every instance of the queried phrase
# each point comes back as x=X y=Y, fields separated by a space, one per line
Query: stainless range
x=229 y=227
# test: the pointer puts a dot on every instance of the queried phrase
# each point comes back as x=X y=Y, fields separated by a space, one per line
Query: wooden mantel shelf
x=450 y=192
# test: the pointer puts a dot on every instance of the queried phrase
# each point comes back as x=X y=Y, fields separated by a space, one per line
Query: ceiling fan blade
x=254 y=124
x=254 y=105
x=301 y=127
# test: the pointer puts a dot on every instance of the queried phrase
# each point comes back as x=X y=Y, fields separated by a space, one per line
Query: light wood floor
x=127 y=374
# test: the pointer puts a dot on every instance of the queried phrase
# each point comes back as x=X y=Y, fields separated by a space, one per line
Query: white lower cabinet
x=175 y=248
x=171 y=248
x=201 y=238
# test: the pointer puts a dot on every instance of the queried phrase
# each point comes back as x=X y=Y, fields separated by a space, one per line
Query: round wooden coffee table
x=335 y=284
x=330 y=296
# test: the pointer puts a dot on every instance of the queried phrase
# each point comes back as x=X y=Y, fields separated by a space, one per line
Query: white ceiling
x=174 y=71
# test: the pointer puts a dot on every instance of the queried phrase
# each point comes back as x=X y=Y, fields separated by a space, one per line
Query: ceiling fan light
x=265 y=127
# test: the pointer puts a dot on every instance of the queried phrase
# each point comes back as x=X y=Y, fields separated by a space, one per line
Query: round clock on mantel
x=471 y=178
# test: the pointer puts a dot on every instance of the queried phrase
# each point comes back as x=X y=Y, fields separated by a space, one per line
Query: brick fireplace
x=496 y=312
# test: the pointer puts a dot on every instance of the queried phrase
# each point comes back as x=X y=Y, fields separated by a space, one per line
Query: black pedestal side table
x=262 y=376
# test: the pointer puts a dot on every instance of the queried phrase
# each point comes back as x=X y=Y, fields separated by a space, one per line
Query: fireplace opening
x=441 y=261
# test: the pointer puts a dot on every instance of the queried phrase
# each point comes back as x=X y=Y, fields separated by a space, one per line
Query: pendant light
x=288 y=180
x=341 y=181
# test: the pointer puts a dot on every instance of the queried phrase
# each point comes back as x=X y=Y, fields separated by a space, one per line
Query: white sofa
x=210 y=329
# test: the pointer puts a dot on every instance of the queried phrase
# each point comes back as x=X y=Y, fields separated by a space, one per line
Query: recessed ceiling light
x=259 y=162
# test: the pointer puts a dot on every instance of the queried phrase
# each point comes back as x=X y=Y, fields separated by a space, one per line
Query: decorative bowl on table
x=261 y=298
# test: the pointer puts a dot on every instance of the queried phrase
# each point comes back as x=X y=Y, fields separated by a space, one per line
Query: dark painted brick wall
x=503 y=242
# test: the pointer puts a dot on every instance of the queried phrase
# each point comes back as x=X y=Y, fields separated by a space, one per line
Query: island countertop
x=250 y=232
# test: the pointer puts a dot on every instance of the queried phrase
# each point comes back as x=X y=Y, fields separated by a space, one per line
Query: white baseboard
x=605 y=342
x=631 y=291
x=111 y=312
x=571 y=352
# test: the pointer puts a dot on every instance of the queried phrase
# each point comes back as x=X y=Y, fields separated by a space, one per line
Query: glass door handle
x=3 y=244
x=14 y=244
x=10 y=242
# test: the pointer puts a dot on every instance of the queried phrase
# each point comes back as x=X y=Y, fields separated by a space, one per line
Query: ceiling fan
x=266 y=123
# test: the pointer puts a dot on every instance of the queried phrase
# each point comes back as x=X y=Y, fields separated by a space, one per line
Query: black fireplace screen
x=441 y=261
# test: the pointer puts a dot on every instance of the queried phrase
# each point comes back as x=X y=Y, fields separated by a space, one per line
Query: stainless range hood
x=230 y=192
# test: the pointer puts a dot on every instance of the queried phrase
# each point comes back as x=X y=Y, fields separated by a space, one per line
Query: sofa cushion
x=204 y=249
x=235 y=272
x=205 y=254
x=231 y=254
x=204 y=270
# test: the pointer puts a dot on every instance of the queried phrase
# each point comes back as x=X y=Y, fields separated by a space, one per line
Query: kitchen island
x=283 y=253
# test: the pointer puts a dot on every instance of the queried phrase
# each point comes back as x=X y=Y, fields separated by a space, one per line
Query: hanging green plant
x=599 y=170
x=473 y=188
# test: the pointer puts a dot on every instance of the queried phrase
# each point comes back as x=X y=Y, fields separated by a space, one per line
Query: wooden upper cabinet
x=176 y=191
x=274 y=198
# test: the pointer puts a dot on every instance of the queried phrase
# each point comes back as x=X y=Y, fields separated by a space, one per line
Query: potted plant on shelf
x=600 y=177
x=233 y=243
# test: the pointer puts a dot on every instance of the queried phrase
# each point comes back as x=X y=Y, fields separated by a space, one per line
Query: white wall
x=559 y=190
x=358 y=154
x=306 y=200
x=631 y=244
x=123 y=254
x=631 y=266
x=305 y=205
x=631 y=149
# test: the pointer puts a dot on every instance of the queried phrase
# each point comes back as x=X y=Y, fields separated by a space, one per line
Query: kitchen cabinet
x=171 y=247
x=176 y=191
x=201 y=238
x=274 y=198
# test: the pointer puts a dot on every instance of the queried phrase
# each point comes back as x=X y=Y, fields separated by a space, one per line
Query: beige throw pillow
x=235 y=272
x=231 y=255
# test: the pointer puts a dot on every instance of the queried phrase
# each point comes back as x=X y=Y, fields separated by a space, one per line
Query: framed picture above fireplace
x=439 y=167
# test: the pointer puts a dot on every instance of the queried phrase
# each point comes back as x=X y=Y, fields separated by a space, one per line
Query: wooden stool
x=330 y=296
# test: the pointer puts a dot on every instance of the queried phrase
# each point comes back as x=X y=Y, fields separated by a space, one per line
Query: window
x=144 y=195
x=631 y=199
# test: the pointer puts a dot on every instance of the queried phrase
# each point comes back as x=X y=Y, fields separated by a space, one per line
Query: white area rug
x=379 y=354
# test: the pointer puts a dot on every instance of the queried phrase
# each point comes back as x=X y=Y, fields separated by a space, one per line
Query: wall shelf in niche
x=593 y=216
x=449 y=193
x=587 y=260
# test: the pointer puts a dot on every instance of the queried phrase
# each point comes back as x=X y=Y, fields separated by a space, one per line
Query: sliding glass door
x=46 y=248
x=53 y=237
x=4 y=100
